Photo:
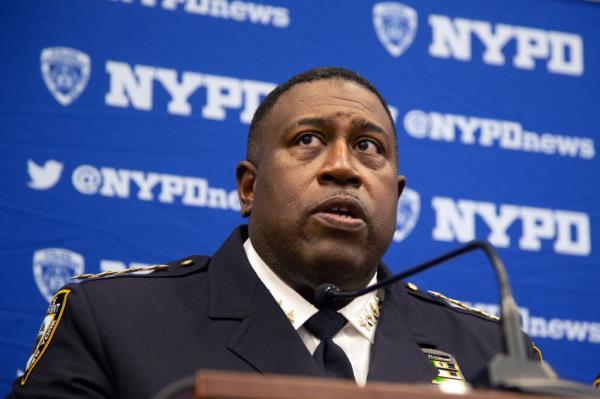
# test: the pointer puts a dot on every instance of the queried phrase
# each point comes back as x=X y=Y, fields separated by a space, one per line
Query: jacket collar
x=265 y=338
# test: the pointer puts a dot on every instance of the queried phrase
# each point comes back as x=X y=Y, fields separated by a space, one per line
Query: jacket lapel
x=265 y=339
x=400 y=333
x=268 y=341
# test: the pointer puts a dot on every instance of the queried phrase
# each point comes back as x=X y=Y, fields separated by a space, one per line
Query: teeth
x=341 y=211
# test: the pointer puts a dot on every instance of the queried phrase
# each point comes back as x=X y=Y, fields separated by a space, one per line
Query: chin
x=347 y=269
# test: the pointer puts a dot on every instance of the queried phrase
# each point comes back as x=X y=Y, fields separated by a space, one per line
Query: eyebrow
x=323 y=123
x=358 y=124
x=362 y=125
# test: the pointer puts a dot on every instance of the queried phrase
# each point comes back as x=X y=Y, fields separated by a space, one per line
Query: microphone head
x=326 y=295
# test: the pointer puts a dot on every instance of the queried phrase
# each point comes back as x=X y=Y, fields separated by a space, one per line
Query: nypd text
x=507 y=135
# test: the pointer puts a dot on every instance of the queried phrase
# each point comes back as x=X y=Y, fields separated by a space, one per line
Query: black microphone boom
x=513 y=370
x=326 y=294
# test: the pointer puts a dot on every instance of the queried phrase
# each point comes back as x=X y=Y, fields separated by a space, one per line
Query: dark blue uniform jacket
x=130 y=336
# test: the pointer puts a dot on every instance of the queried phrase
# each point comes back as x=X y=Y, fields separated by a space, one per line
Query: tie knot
x=325 y=324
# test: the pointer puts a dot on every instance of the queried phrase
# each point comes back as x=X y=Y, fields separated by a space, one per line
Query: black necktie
x=324 y=325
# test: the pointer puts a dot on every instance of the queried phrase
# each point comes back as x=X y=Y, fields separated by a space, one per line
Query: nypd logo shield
x=54 y=267
x=407 y=213
x=46 y=331
x=66 y=72
x=395 y=25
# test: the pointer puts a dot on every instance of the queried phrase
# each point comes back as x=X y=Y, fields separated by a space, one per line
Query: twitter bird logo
x=43 y=177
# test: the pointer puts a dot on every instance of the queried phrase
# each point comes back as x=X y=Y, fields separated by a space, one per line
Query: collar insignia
x=291 y=316
x=370 y=314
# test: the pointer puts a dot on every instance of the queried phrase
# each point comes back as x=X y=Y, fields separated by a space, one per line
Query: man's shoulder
x=130 y=294
x=437 y=303
x=143 y=278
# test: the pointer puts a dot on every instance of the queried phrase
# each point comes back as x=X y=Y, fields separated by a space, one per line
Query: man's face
x=322 y=199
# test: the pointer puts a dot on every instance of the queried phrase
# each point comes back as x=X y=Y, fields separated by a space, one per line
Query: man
x=319 y=187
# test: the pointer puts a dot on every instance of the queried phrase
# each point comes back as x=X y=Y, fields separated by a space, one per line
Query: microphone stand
x=511 y=370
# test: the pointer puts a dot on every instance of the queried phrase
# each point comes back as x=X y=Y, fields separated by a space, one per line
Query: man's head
x=310 y=75
x=321 y=183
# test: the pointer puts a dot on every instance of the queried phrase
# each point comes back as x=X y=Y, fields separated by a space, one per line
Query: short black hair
x=311 y=75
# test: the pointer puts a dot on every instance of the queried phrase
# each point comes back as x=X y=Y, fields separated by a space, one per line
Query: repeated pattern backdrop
x=121 y=122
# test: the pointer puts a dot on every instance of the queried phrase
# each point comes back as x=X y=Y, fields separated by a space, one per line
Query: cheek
x=386 y=201
x=280 y=193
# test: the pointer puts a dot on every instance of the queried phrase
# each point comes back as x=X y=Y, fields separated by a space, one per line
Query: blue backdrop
x=122 y=122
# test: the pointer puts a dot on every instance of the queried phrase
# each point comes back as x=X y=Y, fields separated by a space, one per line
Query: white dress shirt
x=355 y=338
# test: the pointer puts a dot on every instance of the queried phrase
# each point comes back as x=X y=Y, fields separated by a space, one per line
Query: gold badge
x=47 y=329
x=448 y=371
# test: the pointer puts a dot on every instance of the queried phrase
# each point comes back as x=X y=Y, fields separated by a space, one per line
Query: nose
x=339 y=166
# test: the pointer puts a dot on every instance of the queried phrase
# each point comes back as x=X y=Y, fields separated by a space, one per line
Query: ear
x=401 y=185
x=246 y=174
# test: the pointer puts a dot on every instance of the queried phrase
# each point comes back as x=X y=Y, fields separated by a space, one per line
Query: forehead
x=330 y=97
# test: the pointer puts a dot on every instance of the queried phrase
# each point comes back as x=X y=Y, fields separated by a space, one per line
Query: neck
x=305 y=275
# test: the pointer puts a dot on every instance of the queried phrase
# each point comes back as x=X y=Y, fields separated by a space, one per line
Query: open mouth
x=341 y=213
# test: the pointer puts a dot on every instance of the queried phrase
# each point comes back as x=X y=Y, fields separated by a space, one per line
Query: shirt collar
x=361 y=313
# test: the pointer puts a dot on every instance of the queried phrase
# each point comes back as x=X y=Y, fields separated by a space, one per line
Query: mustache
x=341 y=193
x=345 y=194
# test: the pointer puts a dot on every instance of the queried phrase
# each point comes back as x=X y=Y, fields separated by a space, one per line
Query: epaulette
x=144 y=269
x=453 y=303
x=464 y=306
x=110 y=273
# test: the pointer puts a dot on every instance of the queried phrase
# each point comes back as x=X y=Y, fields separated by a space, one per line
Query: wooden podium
x=229 y=385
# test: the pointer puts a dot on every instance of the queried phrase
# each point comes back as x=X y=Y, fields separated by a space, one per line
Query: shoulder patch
x=47 y=329
x=144 y=269
x=464 y=306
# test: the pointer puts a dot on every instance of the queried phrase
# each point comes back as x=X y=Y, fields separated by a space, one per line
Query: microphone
x=511 y=370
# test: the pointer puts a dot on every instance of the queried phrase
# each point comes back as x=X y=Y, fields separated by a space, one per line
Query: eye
x=368 y=146
x=308 y=140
